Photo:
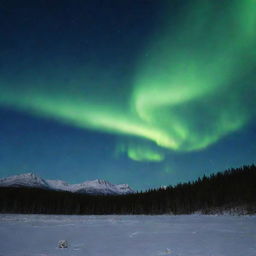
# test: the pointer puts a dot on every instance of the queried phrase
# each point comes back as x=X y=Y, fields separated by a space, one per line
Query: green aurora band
x=192 y=85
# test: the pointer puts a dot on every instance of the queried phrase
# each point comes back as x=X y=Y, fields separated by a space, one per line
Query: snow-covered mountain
x=88 y=187
x=24 y=180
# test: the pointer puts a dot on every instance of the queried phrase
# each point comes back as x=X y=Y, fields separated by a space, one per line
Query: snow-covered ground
x=197 y=235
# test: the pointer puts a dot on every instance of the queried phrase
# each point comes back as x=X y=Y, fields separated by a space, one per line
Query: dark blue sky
x=147 y=93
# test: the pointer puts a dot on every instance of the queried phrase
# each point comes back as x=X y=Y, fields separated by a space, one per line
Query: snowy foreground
x=115 y=235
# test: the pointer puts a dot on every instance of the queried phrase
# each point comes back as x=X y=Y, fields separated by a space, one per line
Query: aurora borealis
x=164 y=79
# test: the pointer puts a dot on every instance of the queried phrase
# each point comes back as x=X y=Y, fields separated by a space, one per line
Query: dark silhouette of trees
x=233 y=190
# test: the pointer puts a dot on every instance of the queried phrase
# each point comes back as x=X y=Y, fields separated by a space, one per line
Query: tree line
x=233 y=190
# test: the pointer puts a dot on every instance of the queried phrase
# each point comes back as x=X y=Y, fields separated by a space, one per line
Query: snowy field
x=38 y=235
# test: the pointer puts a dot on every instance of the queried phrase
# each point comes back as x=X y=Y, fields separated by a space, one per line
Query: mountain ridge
x=94 y=187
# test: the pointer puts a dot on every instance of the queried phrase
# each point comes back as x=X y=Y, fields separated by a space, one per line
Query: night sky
x=148 y=93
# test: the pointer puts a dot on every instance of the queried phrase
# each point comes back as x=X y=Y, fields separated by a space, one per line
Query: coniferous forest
x=231 y=191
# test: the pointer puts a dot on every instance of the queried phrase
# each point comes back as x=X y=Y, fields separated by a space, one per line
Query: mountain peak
x=24 y=180
x=99 y=181
x=97 y=186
